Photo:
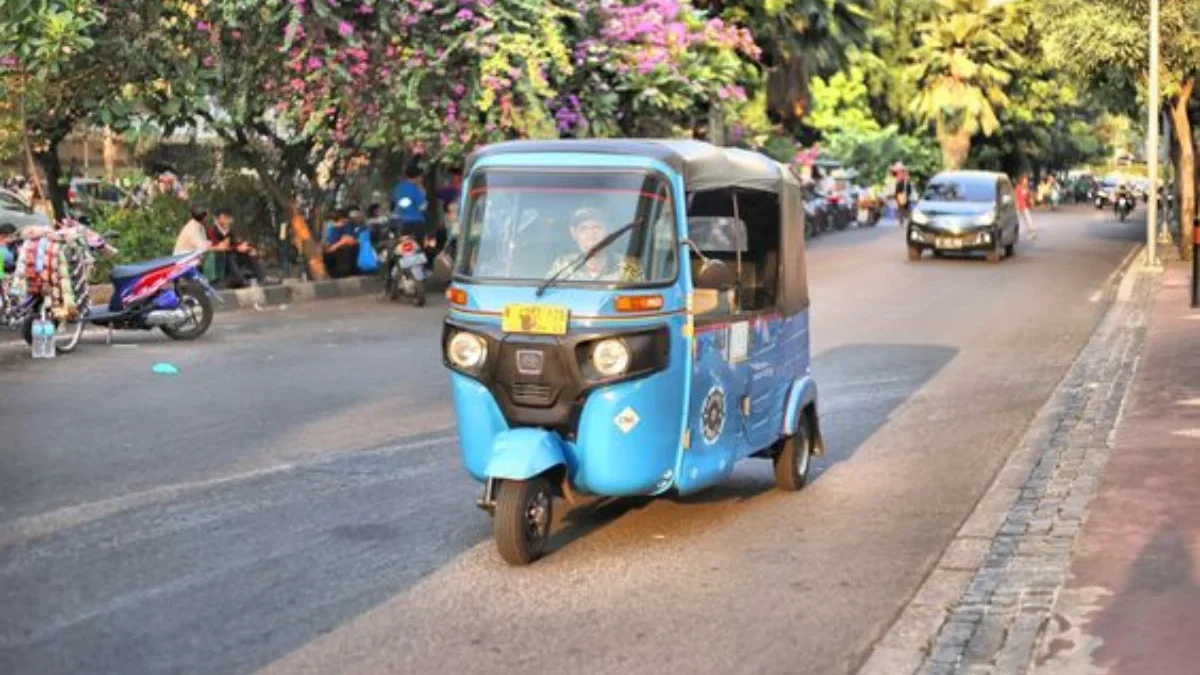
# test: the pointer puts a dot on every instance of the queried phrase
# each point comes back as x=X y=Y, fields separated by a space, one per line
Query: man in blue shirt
x=409 y=203
x=340 y=246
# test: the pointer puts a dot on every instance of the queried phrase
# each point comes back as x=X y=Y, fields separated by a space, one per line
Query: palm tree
x=799 y=39
x=962 y=67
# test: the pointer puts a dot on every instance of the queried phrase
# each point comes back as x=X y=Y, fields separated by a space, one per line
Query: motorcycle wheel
x=193 y=299
x=67 y=340
x=392 y=290
x=419 y=293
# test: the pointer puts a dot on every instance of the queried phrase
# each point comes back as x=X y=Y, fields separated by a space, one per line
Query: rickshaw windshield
x=528 y=226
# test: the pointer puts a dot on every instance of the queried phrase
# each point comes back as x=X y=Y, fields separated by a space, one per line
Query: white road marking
x=1121 y=269
x=1189 y=402
x=1187 y=433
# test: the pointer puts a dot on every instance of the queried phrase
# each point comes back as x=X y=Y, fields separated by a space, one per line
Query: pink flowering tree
x=658 y=67
x=474 y=71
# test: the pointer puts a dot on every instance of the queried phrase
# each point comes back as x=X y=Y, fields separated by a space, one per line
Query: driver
x=587 y=229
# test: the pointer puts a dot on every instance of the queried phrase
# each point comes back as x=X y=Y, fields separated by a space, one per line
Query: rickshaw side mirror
x=714 y=274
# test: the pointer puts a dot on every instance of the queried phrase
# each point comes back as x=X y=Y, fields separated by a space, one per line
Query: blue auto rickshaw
x=627 y=318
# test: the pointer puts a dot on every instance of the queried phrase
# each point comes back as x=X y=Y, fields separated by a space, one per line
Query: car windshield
x=526 y=226
x=959 y=190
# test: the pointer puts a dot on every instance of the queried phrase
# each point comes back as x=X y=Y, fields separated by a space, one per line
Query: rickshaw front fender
x=803 y=394
x=521 y=454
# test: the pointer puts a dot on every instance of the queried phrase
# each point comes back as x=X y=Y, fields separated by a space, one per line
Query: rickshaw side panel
x=776 y=355
x=715 y=425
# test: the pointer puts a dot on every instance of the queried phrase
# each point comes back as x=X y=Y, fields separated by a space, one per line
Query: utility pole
x=1152 y=141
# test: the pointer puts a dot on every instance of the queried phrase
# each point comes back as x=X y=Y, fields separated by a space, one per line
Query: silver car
x=962 y=212
x=14 y=210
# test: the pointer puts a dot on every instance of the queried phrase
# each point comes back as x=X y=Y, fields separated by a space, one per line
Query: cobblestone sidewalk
x=983 y=606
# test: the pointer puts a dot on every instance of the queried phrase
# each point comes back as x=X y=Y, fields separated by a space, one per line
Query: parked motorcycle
x=165 y=293
x=402 y=263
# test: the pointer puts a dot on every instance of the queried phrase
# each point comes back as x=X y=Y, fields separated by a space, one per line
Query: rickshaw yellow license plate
x=534 y=319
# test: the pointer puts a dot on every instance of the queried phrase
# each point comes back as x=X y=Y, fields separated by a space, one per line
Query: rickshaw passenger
x=587 y=229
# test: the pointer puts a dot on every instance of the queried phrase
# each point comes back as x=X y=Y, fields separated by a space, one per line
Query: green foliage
x=799 y=39
x=243 y=194
x=962 y=68
x=873 y=152
x=143 y=233
x=841 y=104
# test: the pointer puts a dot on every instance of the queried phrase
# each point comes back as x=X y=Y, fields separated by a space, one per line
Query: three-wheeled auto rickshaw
x=627 y=317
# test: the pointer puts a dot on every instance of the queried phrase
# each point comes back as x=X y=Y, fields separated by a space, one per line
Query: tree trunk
x=955 y=148
x=30 y=164
x=1187 y=167
x=303 y=240
x=52 y=170
x=110 y=155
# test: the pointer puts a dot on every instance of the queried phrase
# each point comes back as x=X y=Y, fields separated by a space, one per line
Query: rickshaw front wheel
x=794 y=460
x=524 y=513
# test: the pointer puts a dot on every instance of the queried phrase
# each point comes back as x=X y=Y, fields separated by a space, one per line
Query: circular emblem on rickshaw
x=712 y=415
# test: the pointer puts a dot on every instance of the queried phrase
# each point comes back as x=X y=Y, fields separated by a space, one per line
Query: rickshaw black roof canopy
x=703 y=166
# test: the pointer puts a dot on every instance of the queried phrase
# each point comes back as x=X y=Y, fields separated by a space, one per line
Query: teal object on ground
x=165 y=369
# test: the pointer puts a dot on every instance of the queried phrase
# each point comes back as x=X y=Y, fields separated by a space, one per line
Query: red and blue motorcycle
x=166 y=293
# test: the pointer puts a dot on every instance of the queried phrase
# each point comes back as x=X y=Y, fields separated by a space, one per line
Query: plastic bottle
x=43 y=338
x=38 y=339
x=51 y=332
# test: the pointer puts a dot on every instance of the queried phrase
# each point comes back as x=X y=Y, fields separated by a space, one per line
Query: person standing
x=451 y=191
x=902 y=192
x=1024 y=200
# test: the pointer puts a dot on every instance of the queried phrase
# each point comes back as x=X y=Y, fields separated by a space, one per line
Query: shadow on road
x=861 y=385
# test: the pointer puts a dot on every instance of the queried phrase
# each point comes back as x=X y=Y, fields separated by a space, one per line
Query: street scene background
x=1008 y=484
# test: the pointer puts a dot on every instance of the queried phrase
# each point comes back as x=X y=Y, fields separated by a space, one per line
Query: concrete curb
x=290 y=292
x=983 y=606
x=295 y=292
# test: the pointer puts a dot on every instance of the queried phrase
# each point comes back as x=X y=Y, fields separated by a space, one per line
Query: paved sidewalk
x=987 y=600
x=1131 y=604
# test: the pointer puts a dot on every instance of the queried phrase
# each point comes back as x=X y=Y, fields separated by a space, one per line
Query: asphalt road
x=292 y=500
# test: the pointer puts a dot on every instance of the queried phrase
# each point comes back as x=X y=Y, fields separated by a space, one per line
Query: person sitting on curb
x=340 y=246
x=194 y=235
x=242 y=265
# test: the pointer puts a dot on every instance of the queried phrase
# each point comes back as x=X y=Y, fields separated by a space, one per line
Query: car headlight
x=920 y=218
x=466 y=350
x=610 y=357
x=987 y=218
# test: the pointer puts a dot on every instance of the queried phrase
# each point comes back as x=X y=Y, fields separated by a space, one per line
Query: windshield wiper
x=585 y=256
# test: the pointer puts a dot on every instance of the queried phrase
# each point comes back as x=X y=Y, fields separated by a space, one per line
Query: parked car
x=965 y=211
x=94 y=191
x=14 y=210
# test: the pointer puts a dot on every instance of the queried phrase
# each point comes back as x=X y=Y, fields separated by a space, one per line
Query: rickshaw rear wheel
x=524 y=513
x=794 y=460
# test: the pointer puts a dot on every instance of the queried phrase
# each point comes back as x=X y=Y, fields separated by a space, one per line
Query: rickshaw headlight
x=610 y=357
x=466 y=350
